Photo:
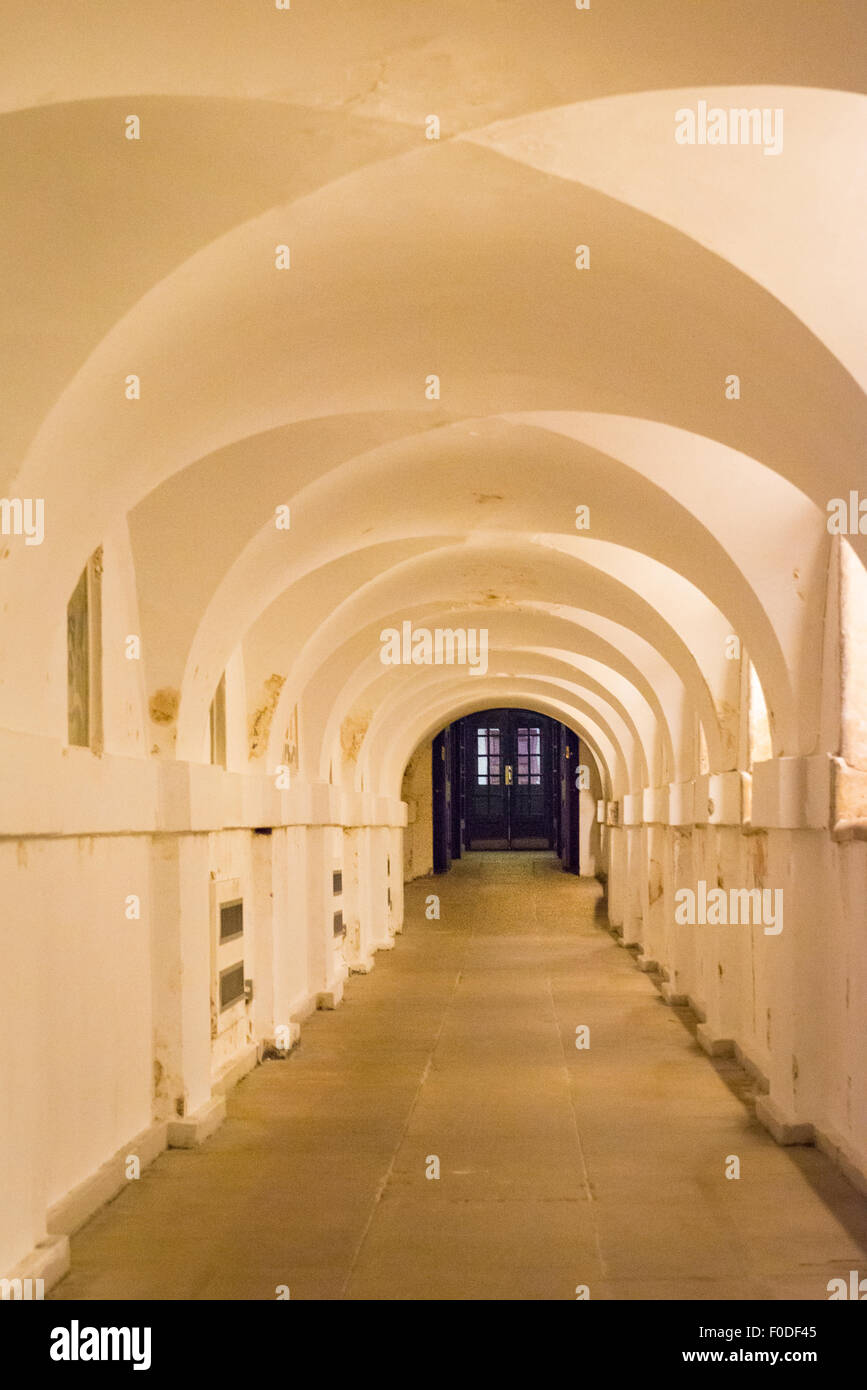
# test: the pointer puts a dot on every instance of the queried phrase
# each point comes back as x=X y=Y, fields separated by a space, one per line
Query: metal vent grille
x=339 y=928
x=231 y=985
x=231 y=920
x=337 y=881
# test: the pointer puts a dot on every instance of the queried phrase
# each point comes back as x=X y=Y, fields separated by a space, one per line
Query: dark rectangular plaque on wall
x=231 y=985
x=231 y=920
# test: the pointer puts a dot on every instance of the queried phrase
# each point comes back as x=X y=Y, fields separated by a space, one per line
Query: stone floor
x=558 y=1167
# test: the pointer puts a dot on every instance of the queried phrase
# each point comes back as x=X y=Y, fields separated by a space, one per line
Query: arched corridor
x=433 y=430
x=557 y=1166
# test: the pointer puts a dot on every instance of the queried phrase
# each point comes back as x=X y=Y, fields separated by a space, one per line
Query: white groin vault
x=324 y=321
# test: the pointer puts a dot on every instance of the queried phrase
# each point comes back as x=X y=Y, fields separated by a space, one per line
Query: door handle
x=508 y=775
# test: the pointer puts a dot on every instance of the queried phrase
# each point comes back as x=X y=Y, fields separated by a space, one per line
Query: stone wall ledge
x=51 y=791
x=819 y=792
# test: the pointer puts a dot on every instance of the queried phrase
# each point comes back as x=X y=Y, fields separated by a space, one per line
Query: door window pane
x=529 y=761
x=487 y=757
x=535 y=757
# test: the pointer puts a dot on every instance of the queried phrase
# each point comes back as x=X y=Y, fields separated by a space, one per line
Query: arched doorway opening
x=509 y=779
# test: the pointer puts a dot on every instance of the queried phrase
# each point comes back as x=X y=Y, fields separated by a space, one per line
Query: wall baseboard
x=69 y=1214
x=48 y=1261
x=784 y=1130
x=852 y=1166
x=236 y=1069
x=713 y=1046
x=194 y=1129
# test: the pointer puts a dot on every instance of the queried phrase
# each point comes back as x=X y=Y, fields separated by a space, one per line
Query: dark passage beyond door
x=507 y=761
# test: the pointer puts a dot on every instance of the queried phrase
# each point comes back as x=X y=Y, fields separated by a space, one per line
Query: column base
x=361 y=967
x=330 y=998
x=785 y=1131
x=713 y=1046
x=196 y=1128
x=758 y=1076
x=272 y=1049
x=698 y=1009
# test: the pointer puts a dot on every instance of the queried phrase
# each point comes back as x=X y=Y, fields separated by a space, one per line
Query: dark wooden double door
x=508 y=780
x=505 y=779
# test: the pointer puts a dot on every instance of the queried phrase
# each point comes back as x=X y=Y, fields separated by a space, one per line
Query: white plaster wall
x=291 y=959
x=795 y=1003
x=123 y=680
x=620 y=633
x=846 y=1093
x=356 y=904
x=110 y=1026
x=77 y=1075
x=417 y=792
x=395 y=842
x=237 y=745
x=588 y=830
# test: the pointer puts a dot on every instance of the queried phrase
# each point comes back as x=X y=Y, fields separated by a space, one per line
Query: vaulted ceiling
x=453 y=258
